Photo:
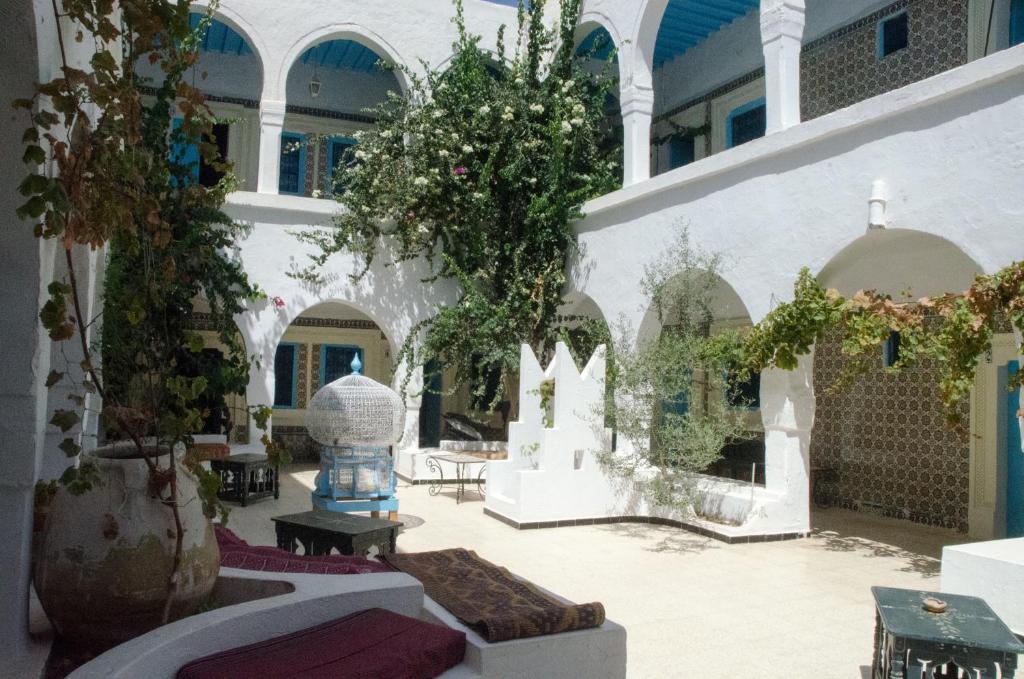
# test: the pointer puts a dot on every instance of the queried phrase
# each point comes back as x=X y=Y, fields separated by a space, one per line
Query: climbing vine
x=481 y=168
x=954 y=330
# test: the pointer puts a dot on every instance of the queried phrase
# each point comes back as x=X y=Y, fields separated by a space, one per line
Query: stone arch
x=884 y=436
x=343 y=31
x=593 y=21
x=898 y=261
x=238 y=23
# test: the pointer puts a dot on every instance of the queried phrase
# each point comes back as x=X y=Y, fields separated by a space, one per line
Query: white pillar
x=637 y=112
x=782 y=30
x=413 y=401
x=271 y=126
x=260 y=392
x=787 y=412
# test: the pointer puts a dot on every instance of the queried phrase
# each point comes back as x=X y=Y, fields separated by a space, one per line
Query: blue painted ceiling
x=220 y=38
x=686 y=23
x=342 y=54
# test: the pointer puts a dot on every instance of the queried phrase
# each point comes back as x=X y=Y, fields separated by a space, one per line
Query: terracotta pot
x=102 y=567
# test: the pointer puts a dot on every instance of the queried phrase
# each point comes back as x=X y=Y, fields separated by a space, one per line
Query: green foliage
x=480 y=169
x=954 y=330
x=669 y=402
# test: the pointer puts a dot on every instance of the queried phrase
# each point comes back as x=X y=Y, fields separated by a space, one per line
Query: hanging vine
x=954 y=330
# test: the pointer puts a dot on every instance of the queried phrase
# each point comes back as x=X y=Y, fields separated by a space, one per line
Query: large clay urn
x=105 y=557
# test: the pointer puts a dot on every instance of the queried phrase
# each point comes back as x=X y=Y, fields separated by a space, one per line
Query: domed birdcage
x=357 y=421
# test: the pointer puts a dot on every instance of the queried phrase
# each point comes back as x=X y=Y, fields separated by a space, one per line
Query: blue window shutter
x=185 y=154
x=286 y=375
x=1016 y=22
x=336 y=155
x=893 y=34
x=336 y=361
x=681 y=151
x=293 y=164
x=746 y=123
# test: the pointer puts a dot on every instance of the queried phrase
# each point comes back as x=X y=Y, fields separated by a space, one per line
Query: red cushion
x=237 y=553
x=373 y=643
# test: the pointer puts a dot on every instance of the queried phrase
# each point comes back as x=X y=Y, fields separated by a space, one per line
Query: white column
x=260 y=392
x=271 y=126
x=787 y=412
x=637 y=113
x=782 y=30
x=413 y=401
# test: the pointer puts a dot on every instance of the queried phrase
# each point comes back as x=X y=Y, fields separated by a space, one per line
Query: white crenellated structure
x=555 y=472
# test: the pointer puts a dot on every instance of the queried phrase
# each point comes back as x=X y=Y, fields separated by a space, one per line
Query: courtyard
x=793 y=609
x=671 y=276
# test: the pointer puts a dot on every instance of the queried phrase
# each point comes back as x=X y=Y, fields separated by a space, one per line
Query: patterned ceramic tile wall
x=843 y=68
x=886 y=438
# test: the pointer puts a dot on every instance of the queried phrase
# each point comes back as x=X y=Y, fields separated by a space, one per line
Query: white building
x=878 y=142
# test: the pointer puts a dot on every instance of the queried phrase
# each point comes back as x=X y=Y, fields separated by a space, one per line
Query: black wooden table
x=319 y=532
x=246 y=477
x=462 y=463
x=912 y=642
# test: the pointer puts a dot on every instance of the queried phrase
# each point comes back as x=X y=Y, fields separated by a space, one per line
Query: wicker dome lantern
x=356 y=411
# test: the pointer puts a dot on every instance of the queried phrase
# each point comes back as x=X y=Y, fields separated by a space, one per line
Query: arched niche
x=901 y=263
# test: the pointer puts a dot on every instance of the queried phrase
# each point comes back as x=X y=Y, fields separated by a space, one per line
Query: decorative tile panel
x=843 y=67
x=303 y=379
x=886 y=437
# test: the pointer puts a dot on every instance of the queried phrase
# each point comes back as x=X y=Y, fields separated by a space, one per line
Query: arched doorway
x=230 y=74
x=332 y=89
x=707 y=306
x=881 y=444
x=322 y=344
x=707 y=71
x=595 y=47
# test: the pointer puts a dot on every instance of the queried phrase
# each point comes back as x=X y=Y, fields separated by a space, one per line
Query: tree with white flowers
x=482 y=168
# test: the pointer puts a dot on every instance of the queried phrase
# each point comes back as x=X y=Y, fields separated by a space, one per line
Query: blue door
x=1014 y=462
x=430 y=407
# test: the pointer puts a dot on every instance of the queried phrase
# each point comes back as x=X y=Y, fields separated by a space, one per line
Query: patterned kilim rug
x=490 y=599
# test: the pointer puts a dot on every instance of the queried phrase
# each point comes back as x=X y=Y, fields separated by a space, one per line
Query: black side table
x=246 y=477
x=968 y=634
x=319 y=532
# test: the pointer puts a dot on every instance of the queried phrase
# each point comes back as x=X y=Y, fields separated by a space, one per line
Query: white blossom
x=443 y=153
x=577 y=121
x=537 y=108
x=467 y=149
x=485 y=109
x=568 y=85
x=438 y=113
x=421 y=181
x=566 y=126
x=361 y=155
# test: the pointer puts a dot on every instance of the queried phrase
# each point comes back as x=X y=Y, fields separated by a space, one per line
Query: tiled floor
x=691 y=606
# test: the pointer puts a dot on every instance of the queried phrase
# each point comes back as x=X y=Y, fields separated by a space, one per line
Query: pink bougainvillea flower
x=278 y=302
x=460 y=170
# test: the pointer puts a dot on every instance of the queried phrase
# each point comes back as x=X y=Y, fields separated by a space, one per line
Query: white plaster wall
x=394 y=297
x=227 y=75
x=948 y=149
x=403 y=31
x=29 y=55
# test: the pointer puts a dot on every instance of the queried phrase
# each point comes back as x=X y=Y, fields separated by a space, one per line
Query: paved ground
x=690 y=605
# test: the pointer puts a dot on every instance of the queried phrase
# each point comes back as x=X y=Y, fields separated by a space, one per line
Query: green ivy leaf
x=65 y=419
x=69 y=447
x=34 y=155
